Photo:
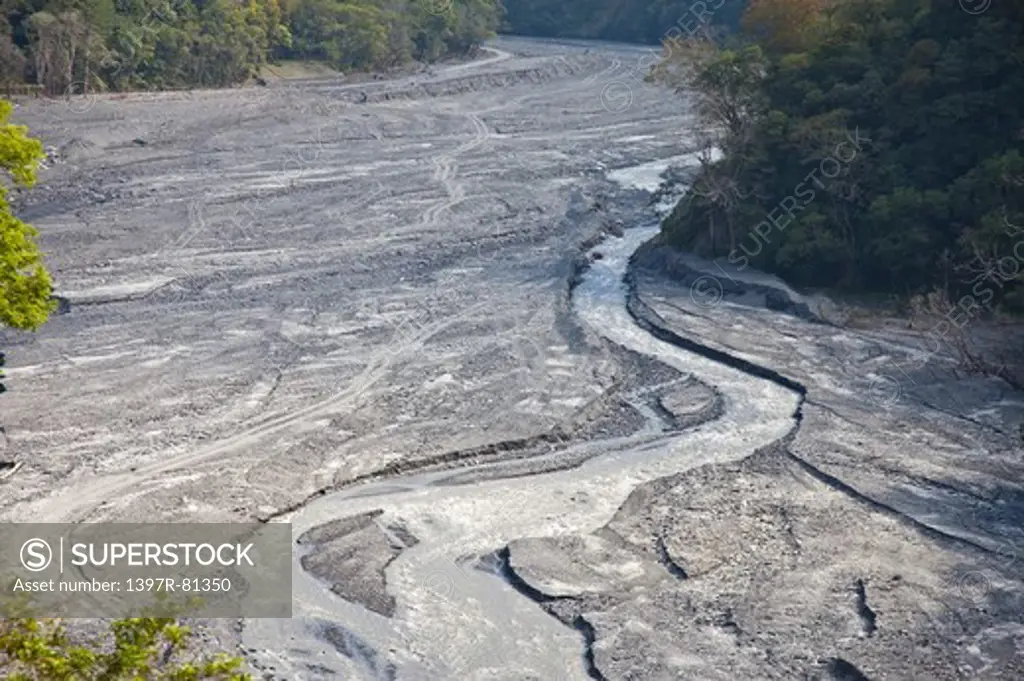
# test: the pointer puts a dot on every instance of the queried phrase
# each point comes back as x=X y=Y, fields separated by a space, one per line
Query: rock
x=615 y=229
x=578 y=565
x=63 y=305
x=351 y=554
x=777 y=300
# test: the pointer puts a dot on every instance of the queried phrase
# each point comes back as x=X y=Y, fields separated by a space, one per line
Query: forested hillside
x=872 y=145
x=123 y=44
x=640 y=21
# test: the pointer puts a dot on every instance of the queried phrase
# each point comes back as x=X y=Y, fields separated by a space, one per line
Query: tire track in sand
x=80 y=497
x=445 y=170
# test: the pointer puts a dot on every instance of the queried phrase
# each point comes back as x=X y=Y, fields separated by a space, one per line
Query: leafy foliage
x=356 y=34
x=24 y=282
x=783 y=25
x=133 y=648
x=642 y=21
x=930 y=191
x=78 y=45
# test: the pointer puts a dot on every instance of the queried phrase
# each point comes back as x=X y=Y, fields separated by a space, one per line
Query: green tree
x=12 y=61
x=133 y=649
x=640 y=21
x=24 y=282
x=726 y=86
x=156 y=44
x=783 y=25
x=877 y=146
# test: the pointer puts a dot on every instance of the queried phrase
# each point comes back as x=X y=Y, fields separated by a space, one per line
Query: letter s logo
x=36 y=555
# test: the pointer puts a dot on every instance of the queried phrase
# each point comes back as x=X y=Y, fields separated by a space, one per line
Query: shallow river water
x=455 y=621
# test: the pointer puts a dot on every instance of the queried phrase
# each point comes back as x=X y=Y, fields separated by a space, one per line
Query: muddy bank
x=710 y=284
x=739 y=564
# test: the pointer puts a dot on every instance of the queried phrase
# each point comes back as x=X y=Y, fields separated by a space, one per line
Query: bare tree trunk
x=72 y=54
x=44 y=66
x=732 y=232
x=88 y=41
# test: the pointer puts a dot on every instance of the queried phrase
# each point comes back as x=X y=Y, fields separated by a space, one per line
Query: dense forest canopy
x=875 y=145
x=639 y=21
x=71 y=45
